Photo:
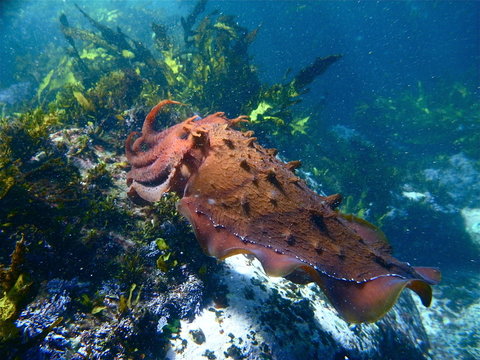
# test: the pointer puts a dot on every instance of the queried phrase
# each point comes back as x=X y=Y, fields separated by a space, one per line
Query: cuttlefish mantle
x=240 y=199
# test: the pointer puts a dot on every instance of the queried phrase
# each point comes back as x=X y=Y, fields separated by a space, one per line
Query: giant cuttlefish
x=241 y=199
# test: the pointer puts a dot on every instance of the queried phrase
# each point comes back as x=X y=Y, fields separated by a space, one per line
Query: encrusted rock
x=271 y=318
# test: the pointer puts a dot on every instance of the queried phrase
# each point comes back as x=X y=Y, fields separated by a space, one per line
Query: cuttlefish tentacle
x=131 y=154
x=150 y=138
x=149 y=134
x=141 y=159
x=150 y=119
x=155 y=171
x=237 y=120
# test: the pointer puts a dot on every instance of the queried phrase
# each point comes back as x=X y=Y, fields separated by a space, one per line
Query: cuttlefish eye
x=183 y=135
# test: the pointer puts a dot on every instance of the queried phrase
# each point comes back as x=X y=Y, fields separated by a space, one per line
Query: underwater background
x=379 y=100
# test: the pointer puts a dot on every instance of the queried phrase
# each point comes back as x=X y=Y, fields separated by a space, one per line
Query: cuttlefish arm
x=240 y=198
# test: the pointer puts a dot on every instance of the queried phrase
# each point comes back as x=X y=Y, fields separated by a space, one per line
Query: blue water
x=387 y=46
x=393 y=52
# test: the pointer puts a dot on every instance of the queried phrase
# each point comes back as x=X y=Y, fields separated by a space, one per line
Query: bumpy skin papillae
x=240 y=198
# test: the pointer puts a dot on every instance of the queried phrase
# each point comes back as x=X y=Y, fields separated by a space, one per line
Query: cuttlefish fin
x=371 y=234
x=422 y=288
x=355 y=302
x=220 y=243
x=431 y=274
x=369 y=301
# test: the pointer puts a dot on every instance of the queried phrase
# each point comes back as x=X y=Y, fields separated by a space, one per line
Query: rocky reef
x=269 y=318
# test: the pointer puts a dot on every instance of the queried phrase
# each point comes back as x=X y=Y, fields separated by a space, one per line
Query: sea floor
x=453 y=321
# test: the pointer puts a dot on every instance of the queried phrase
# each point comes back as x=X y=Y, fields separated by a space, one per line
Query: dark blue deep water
x=393 y=125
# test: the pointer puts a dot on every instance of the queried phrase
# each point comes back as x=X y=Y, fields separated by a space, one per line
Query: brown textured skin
x=241 y=199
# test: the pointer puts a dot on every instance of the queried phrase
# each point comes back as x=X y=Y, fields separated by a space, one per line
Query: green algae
x=15 y=287
x=162 y=244
x=129 y=303
x=166 y=261
x=443 y=116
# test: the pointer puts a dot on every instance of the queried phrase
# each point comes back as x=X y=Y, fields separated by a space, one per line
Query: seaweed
x=438 y=119
x=123 y=52
x=64 y=26
x=306 y=75
x=188 y=23
x=15 y=286
x=273 y=112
